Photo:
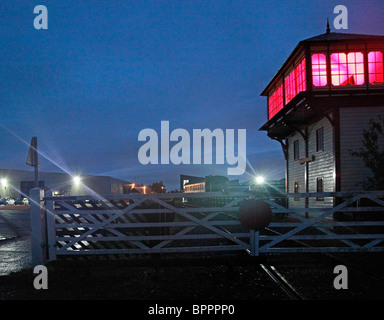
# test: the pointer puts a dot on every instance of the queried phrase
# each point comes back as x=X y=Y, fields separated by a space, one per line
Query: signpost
x=33 y=159
x=37 y=212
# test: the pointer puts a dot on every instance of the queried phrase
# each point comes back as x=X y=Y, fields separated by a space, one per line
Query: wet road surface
x=15 y=245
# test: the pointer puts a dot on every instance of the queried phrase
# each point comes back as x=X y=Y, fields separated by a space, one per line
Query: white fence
x=199 y=222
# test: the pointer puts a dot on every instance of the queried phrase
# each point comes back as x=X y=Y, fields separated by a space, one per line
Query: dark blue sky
x=104 y=70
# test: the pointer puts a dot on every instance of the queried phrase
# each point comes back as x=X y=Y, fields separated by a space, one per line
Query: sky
x=105 y=70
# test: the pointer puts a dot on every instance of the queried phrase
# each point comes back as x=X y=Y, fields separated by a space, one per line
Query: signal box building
x=319 y=102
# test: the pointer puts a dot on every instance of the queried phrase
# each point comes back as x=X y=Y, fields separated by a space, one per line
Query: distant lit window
x=319 y=69
x=275 y=101
x=347 y=68
x=320 y=139
x=295 y=81
x=296 y=190
x=375 y=67
x=296 y=150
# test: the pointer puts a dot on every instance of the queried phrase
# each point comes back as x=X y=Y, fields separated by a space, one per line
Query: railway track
x=272 y=273
x=291 y=292
x=282 y=282
x=334 y=260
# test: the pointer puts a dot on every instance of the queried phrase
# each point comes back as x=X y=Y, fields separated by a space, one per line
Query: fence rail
x=200 y=222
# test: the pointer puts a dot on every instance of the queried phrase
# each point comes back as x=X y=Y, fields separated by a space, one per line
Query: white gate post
x=51 y=230
x=38 y=227
x=254 y=242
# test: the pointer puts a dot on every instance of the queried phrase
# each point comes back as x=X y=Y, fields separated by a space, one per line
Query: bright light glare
x=259 y=180
x=76 y=179
x=4 y=182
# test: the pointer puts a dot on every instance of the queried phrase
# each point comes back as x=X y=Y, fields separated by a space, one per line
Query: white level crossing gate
x=199 y=222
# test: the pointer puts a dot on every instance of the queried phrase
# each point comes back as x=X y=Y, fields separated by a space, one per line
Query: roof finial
x=328 y=28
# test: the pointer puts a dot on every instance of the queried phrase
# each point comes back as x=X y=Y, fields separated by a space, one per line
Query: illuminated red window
x=319 y=69
x=289 y=83
x=375 y=67
x=295 y=82
x=300 y=77
x=347 y=68
x=275 y=101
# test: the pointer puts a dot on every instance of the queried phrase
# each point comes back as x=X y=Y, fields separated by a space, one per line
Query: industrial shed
x=15 y=183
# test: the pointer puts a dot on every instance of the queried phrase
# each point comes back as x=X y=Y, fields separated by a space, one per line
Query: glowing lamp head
x=76 y=179
x=4 y=182
x=259 y=180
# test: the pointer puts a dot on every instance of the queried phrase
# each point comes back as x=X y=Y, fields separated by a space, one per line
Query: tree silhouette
x=157 y=187
x=372 y=154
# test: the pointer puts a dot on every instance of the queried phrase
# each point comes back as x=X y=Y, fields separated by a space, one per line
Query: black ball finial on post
x=255 y=215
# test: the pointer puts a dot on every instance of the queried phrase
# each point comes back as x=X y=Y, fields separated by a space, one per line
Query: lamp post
x=4 y=184
x=259 y=180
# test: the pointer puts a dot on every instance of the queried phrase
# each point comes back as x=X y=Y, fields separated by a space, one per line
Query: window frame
x=318 y=179
x=318 y=70
x=347 y=52
x=368 y=65
x=318 y=149
x=295 y=81
x=296 y=189
x=278 y=101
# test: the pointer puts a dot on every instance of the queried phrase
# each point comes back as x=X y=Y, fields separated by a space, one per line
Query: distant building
x=134 y=188
x=195 y=187
x=200 y=184
x=15 y=183
x=319 y=102
x=185 y=179
x=208 y=184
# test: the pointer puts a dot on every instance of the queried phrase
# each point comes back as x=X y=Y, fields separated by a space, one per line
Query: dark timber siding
x=323 y=164
x=352 y=123
x=321 y=167
x=295 y=170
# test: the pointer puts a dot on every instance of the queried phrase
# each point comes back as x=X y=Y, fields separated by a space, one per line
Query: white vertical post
x=51 y=230
x=257 y=243
x=254 y=242
x=38 y=227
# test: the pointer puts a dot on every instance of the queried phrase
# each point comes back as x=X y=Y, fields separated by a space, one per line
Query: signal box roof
x=328 y=37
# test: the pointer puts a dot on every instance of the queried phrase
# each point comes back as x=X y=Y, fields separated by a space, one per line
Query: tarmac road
x=15 y=244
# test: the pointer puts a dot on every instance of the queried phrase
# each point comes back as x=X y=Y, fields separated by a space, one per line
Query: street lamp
x=76 y=180
x=259 y=180
x=4 y=182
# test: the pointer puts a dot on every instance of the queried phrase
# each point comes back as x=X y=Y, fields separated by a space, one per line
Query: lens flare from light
x=76 y=179
x=259 y=180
